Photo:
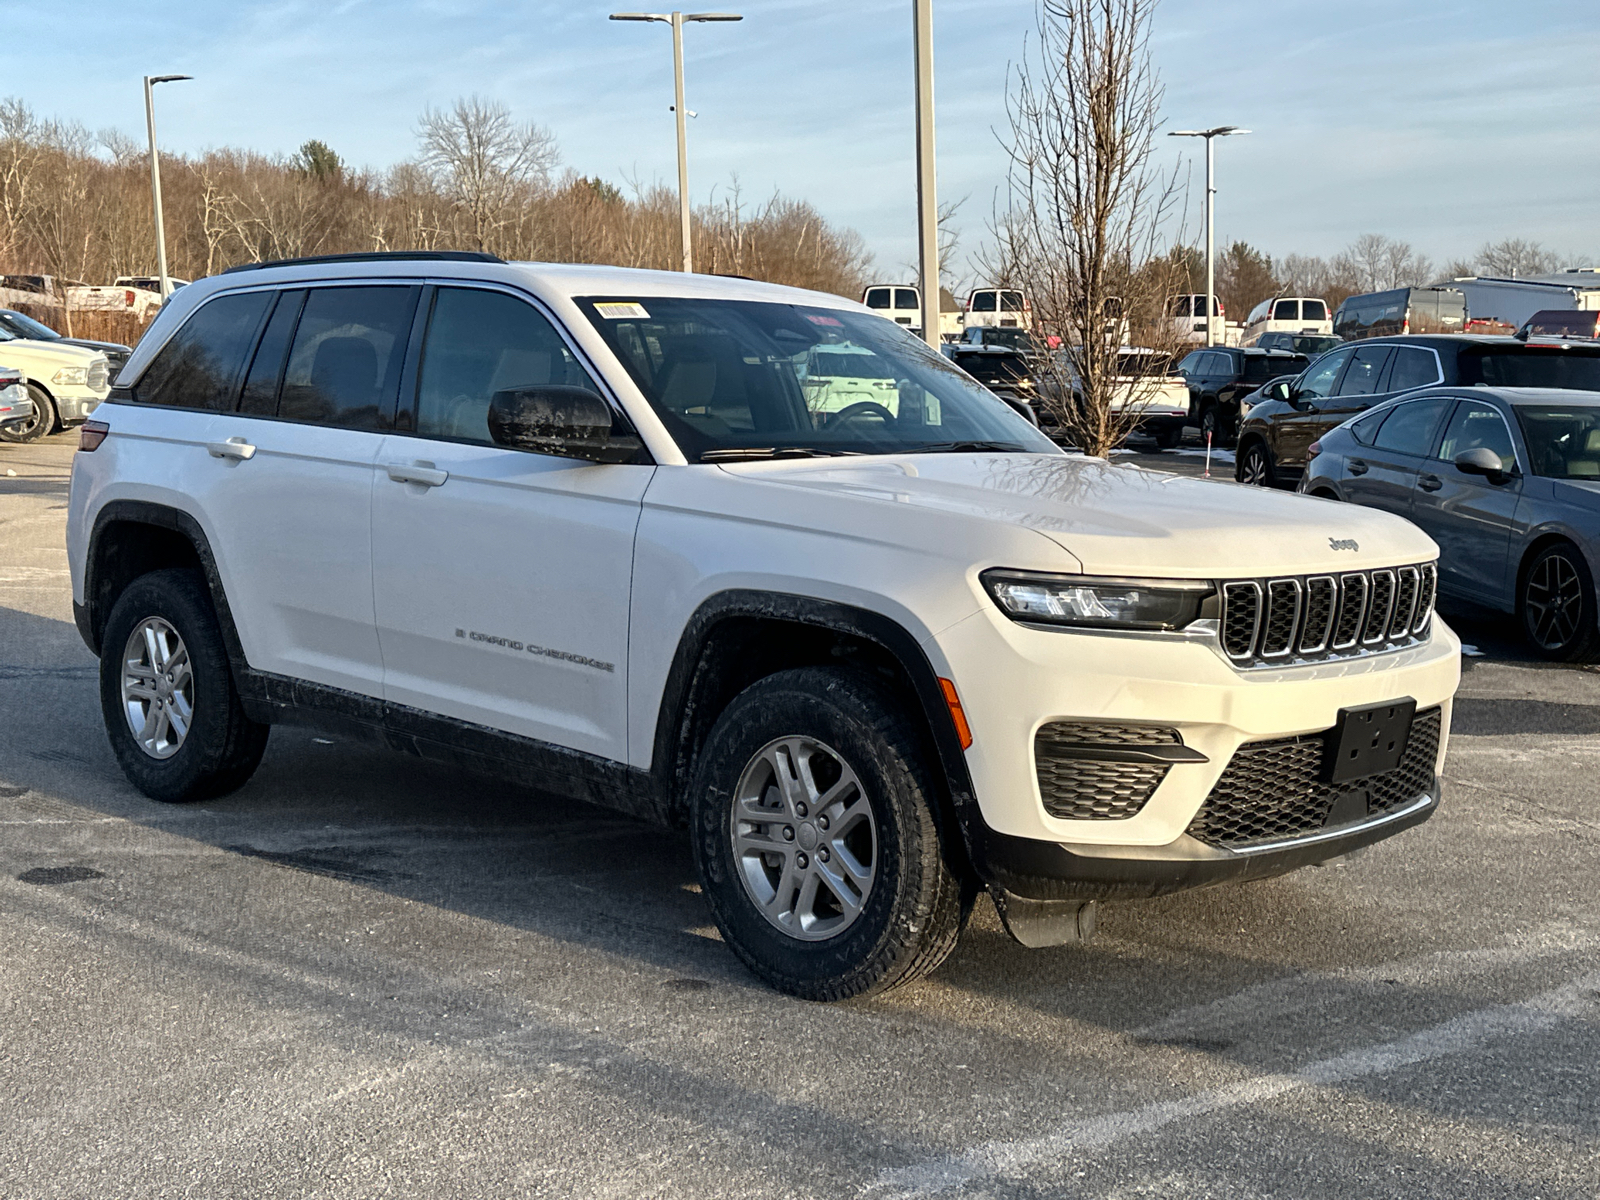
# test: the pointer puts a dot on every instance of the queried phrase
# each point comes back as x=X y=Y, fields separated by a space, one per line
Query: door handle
x=1429 y=483
x=424 y=473
x=235 y=448
x=1357 y=467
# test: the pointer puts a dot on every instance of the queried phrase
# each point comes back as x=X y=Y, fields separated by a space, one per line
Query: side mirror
x=1481 y=461
x=571 y=422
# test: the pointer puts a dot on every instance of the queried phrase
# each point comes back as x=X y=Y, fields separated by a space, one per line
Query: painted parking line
x=1464 y=1034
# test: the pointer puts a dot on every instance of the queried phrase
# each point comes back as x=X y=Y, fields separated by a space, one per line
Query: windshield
x=733 y=375
x=1534 y=367
x=1563 y=443
x=25 y=326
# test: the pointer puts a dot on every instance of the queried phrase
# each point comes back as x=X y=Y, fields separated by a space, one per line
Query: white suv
x=578 y=525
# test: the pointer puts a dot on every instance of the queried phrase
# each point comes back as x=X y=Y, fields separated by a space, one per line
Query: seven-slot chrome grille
x=1308 y=618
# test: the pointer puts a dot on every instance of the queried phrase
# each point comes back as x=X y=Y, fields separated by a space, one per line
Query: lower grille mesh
x=1274 y=790
x=1080 y=789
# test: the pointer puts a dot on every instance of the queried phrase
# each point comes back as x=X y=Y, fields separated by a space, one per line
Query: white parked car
x=998 y=308
x=66 y=383
x=578 y=526
x=837 y=379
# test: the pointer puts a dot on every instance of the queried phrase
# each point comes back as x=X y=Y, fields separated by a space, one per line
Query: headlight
x=1097 y=602
x=72 y=376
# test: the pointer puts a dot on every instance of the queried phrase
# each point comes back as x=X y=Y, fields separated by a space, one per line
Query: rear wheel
x=1168 y=436
x=41 y=423
x=1254 y=466
x=816 y=837
x=1558 y=605
x=172 y=713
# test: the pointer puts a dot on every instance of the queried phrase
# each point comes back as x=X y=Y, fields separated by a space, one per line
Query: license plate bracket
x=1369 y=740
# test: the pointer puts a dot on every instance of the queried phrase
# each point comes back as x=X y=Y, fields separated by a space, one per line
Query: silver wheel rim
x=157 y=688
x=1554 y=602
x=1255 y=466
x=805 y=841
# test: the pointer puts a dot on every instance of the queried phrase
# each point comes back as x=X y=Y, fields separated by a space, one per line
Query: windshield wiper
x=963 y=447
x=755 y=453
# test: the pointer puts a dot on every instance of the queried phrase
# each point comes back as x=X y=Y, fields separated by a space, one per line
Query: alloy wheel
x=1254 y=469
x=1554 y=602
x=157 y=687
x=805 y=840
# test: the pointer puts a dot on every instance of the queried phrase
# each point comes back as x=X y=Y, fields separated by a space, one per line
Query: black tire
x=913 y=912
x=42 y=422
x=1168 y=437
x=1254 y=466
x=1208 y=424
x=221 y=747
x=1556 y=603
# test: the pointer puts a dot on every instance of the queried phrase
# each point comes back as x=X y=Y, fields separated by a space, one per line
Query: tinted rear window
x=878 y=297
x=1259 y=369
x=345 y=362
x=199 y=367
x=983 y=301
x=1533 y=367
x=1313 y=310
x=1286 y=310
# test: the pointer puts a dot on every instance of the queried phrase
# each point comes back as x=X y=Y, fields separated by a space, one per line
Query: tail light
x=91 y=434
x=130 y=297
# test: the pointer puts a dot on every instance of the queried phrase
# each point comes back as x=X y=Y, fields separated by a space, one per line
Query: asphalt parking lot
x=362 y=975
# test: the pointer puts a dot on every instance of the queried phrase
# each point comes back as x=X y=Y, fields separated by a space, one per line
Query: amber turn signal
x=963 y=730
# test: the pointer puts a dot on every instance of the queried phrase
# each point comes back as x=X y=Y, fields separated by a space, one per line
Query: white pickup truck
x=138 y=294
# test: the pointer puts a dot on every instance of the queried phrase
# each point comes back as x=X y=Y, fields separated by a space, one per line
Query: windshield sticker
x=824 y=321
x=619 y=312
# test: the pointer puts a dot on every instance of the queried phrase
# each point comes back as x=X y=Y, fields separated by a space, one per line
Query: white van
x=1188 y=316
x=999 y=308
x=1288 y=314
x=902 y=305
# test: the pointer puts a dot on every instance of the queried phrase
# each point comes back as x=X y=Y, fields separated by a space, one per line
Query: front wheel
x=36 y=426
x=172 y=713
x=817 y=839
x=1255 y=466
x=1558 y=606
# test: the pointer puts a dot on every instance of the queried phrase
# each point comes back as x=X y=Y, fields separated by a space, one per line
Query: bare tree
x=1516 y=256
x=486 y=161
x=1087 y=211
x=1376 y=263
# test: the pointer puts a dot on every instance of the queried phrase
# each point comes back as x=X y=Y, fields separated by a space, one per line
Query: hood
x=40 y=359
x=1127 y=520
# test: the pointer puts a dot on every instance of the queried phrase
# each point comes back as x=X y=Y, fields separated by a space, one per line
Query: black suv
x=1219 y=376
x=1291 y=414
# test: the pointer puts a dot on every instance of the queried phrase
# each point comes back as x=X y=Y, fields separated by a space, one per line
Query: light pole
x=677 y=20
x=150 y=82
x=1211 y=245
x=927 y=175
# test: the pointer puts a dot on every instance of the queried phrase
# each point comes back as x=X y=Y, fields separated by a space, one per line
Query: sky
x=1443 y=124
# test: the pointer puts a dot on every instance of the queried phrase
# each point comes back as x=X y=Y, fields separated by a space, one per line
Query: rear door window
x=1413 y=367
x=1011 y=301
x=1366 y=368
x=1286 y=310
x=879 y=297
x=199 y=367
x=478 y=343
x=1313 y=310
x=905 y=298
x=983 y=301
x=344 y=365
x=260 y=395
x=1410 y=426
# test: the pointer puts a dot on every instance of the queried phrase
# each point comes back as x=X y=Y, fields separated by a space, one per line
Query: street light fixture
x=677 y=20
x=1211 y=247
x=155 y=177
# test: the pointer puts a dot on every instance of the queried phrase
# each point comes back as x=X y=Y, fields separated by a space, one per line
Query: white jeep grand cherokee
x=584 y=527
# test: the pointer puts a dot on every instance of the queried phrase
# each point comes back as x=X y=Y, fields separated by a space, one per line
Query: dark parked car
x=1287 y=416
x=1220 y=376
x=1561 y=323
x=1309 y=344
x=1007 y=372
x=20 y=325
x=1506 y=480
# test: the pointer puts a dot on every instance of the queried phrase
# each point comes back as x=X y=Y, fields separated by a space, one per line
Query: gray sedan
x=1506 y=480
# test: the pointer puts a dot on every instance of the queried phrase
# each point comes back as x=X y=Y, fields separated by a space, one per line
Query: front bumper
x=1013 y=679
x=1040 y=870
x=76 y=404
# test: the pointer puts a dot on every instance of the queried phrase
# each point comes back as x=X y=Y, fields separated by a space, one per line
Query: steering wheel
x=860 y=408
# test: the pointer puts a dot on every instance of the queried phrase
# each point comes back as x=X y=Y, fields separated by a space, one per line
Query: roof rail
x=374 y=256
